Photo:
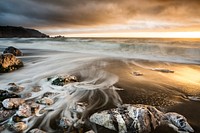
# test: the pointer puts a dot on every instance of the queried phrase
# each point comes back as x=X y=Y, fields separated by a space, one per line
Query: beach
x=159 y=75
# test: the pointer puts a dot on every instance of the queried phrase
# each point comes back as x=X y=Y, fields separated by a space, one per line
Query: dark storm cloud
x=46 y=13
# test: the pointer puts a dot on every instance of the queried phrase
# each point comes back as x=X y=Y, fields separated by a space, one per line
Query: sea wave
x=148 y=49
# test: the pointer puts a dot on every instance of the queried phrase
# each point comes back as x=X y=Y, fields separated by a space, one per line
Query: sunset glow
x=106 y=18
x=141 y=34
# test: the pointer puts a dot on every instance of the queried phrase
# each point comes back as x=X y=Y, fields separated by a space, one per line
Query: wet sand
x=167 y=91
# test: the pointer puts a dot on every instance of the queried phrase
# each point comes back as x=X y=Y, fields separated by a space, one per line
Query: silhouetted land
x=11 y=31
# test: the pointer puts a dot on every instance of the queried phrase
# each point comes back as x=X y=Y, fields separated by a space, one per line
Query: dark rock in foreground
x=139 y=119
x=13 y=51
x=11 y=31
x=8 y=63
x=5 y=94
x=6 y=114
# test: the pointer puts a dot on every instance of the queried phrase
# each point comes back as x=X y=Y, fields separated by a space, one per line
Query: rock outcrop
x=13 y=51
x=8 y=63
x=62 y=80
x=11 y=31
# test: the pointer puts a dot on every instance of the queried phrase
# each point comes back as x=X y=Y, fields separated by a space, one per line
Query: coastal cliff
x=11 y=31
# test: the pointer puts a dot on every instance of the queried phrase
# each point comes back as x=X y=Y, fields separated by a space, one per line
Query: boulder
x=11 y=103
x=24 y=110
x=8 y=63
x=13 y=51
x=62 y=80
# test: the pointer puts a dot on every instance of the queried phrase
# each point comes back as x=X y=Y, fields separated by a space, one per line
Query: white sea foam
x=161 y=50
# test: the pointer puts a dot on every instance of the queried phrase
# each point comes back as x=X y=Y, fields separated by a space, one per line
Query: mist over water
x=87 y=59
x=172 y=50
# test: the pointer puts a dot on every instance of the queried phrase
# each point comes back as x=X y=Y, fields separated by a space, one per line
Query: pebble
x=65 y=122
x=164 y=70
x=137 y=74
x=45 y=101
x=36 y=89
x=15 y=88
x=19 y=126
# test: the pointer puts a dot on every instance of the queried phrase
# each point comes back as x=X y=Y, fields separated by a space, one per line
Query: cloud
x=91 y=13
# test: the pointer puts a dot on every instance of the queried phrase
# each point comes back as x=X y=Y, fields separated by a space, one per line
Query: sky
x=105 y=18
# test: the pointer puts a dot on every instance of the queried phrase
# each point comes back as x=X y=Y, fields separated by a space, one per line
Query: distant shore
x=12 y=31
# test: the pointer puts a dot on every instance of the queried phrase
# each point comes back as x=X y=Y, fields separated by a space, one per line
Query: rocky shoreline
x=70 y=102
x=16 y=110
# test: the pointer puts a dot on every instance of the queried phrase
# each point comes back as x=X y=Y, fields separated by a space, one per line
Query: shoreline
x=166 y=91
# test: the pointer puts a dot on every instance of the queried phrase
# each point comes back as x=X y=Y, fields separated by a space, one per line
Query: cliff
x=11 y=31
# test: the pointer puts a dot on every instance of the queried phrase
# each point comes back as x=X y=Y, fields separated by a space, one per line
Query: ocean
x=104 y=63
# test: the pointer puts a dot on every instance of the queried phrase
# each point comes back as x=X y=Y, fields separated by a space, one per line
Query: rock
x=90 y=131
x=139 y=118
x=194 y=98
x=126 y=118
x=11 y=103
x=16 y=118
x=8 y=63
x=49 y=94
x=26 y=95
x=65 y=122
x=5 y=94
x=13 y=51
x=36 y=130
x=59 y=36
x=36 y=89
x=164 y=70
x=19 y=126
x=34 y=106
x=74 y=120
x=24 y=110
x=62 y=80
x=137 y=74
x=2 y=127
x=6 y=114
x=15 y=88
x=79 y=107
x=45 y=101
